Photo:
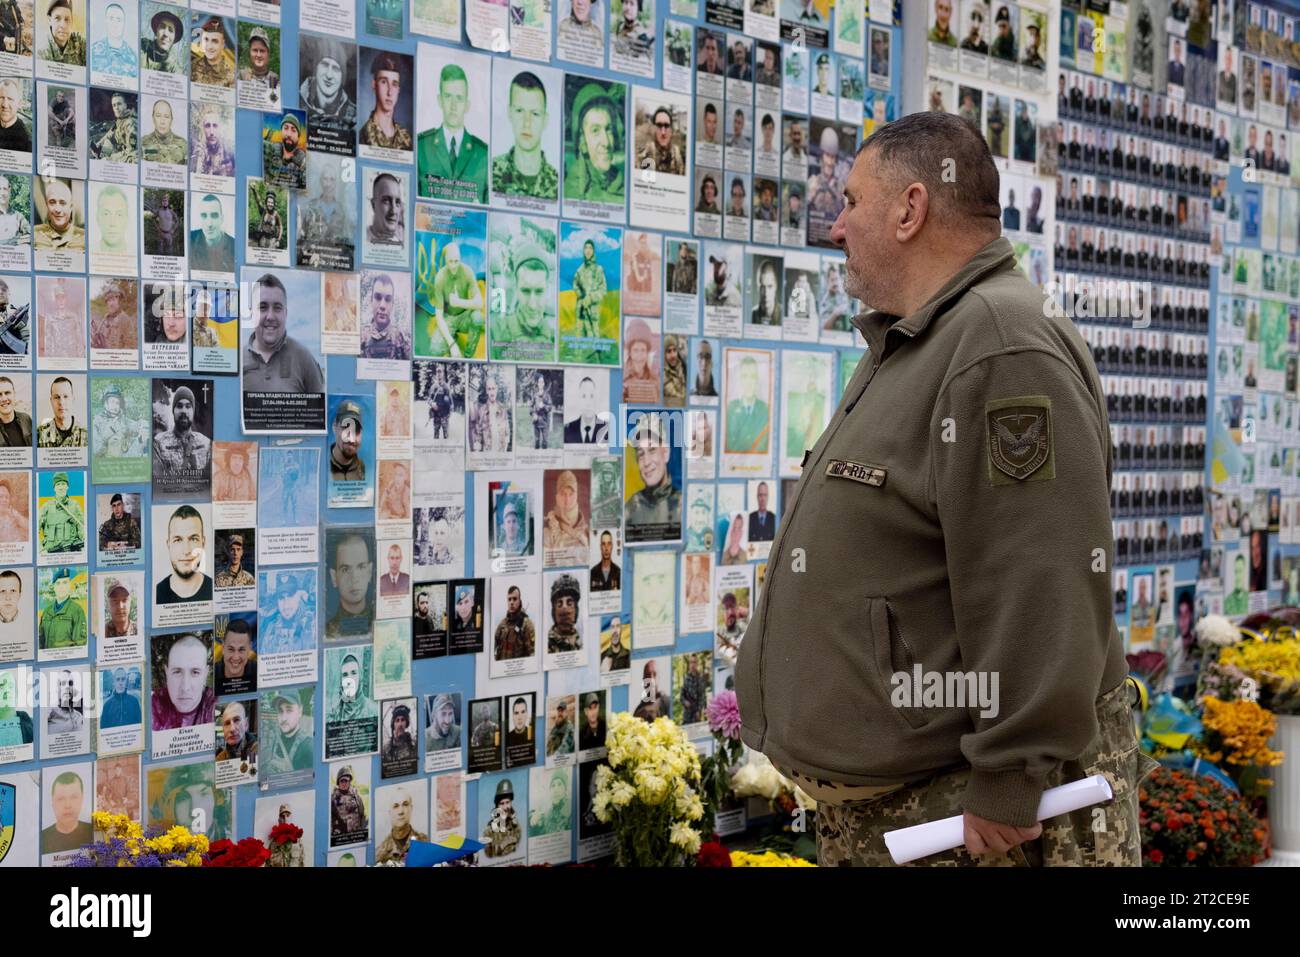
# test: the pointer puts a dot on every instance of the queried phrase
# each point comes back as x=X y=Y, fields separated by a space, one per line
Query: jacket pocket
x=894 y=662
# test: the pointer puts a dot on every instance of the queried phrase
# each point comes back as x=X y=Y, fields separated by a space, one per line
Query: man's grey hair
x=949 y=157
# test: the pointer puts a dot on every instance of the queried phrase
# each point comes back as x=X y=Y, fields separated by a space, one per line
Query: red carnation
x=713 y=854
x=283 y=834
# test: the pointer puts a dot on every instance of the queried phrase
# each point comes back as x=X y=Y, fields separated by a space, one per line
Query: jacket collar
x=876 y=325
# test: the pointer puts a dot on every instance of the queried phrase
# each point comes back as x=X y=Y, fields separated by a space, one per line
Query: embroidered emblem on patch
x=866 y=474
x=1020 y=439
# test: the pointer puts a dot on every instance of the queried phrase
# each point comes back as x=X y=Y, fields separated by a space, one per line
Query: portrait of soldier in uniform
x=347 y=809
x=659 y=502
x=382 y=337
x=748 y=417
x=578 y=30
x=382 y=129
x=632 y=40
x=564 y=635
x=592 y=732
x=120 y=138
x=114 y=327
x=515 y=635
x=524 y=170
x=62 y=619
x=443 y=730
x=617 y=656
x=64 y=44
x=61 y=525
x=452 y=160
x=212 y=59
x=324 y=66
x=502 y=832
x=233 y=574
x=161 y=50
x=57 y=228
x=560 y=738
x=14 y=340
x=181 y=453
x=596 y=131
x=285 y=164
x=121 y=530
x=345 y=460
x=290 y=747
x=210 y=155
x=401 y=749
x=397 y=843
x=350 y=701
x=119 y=623
x=658 y=152
x=259 y=61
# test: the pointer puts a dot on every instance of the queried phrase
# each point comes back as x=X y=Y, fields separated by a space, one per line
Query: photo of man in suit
x=589 y=427
x=762 y=522
x=453 y=162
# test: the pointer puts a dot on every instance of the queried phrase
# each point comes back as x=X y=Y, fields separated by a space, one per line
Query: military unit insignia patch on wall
x=1020 y=439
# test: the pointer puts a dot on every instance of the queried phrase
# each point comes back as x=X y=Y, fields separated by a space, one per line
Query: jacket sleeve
x=1030 y=597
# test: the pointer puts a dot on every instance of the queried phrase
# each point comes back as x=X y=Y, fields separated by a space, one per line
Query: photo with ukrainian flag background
x=214 y=321
x=450 y=282
x=590 y=293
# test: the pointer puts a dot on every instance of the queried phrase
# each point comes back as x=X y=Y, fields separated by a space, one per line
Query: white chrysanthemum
x=1217 y=630
x=685 y=837
x=621 y=794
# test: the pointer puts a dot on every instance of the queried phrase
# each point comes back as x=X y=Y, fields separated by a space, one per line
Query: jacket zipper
x=895 y=626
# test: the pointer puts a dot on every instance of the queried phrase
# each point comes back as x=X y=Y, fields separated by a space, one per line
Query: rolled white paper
x=922 y=840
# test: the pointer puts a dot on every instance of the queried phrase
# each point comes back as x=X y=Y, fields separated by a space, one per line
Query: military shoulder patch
x=1020 y=439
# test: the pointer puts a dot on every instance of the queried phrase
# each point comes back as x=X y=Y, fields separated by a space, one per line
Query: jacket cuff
x=1008 y=797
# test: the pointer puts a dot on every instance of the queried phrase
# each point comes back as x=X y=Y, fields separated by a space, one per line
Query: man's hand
x=983 y=836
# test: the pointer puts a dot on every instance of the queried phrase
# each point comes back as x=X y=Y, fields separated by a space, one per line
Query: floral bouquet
x=758 y=777
x=126 y=844
x=1235 y=737
x=1259 y=661
x=1194 y=821
x=285 y=851
x=249 y=852
x=650 y=791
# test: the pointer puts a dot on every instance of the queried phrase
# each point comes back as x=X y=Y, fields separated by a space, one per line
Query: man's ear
x=915 y=203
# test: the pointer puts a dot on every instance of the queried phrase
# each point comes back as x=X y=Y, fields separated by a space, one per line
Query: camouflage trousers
x=852 y=834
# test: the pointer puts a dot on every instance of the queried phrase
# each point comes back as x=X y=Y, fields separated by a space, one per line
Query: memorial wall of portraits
x=390 y=391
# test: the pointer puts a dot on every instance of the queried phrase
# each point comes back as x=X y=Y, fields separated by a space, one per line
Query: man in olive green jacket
x=941 y=577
